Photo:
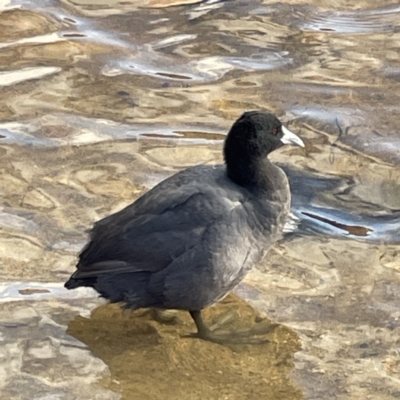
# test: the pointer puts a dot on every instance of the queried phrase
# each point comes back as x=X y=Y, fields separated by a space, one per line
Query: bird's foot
x=168 y=317
x=239 y=336
x=226 y=339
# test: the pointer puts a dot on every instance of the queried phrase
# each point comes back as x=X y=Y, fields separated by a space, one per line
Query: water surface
x=99 y=101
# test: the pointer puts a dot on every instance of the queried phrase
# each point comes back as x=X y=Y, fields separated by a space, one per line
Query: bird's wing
x=156 y=229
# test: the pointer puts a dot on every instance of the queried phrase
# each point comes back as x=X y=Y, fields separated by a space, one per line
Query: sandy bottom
x=149 y=359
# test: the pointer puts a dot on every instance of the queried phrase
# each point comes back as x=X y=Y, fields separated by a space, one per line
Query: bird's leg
x=239 y=337
x=202 y=329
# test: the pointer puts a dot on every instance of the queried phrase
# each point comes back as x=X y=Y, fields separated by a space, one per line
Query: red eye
x=274 y=131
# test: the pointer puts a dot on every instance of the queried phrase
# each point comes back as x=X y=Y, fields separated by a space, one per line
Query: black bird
x=190 y=240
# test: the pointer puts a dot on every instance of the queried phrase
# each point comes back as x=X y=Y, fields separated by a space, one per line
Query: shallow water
x=101 y=100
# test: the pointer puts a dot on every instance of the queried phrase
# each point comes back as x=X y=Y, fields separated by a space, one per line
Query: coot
x=190 y=240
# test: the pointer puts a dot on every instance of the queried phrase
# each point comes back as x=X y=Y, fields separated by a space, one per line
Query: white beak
x=290 y=138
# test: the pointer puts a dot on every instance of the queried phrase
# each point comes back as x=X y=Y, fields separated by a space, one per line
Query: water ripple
x=355 y=22
x=8 y=78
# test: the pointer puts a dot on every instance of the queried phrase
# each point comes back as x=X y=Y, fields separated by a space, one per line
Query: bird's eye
x=274 y=131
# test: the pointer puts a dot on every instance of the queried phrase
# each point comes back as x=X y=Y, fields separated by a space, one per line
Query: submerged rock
x=149 y=359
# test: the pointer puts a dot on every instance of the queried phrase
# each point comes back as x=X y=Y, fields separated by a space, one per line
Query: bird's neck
x=252 y=172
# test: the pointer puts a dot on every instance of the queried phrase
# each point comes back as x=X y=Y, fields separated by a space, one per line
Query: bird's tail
x=73 y=283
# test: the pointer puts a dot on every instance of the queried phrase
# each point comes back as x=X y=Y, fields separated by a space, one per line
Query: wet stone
x=205 y=369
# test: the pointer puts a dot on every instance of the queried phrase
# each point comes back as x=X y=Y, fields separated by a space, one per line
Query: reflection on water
x=102 y=100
